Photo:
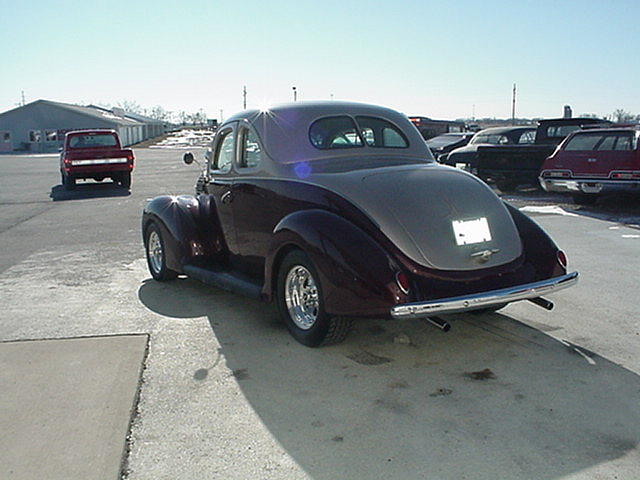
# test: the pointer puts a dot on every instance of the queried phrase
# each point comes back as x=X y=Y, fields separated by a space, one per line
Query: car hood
x=416 y=206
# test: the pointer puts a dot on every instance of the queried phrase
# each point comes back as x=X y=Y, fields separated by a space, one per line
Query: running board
x=224 y=280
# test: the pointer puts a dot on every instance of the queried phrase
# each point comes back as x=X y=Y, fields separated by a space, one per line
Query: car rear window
x=561 y=131
x=601 y=141
x=334 y=133
x=342 y=132
x=91 y=140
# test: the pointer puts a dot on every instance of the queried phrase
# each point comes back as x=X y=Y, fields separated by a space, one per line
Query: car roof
x=607 y=130
x=284 y=130
x=500 y=130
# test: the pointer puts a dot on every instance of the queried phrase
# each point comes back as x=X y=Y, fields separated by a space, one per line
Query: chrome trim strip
x=98 y=161
x=484 y=299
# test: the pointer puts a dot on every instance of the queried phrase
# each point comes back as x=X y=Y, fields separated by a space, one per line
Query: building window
x=35 y=136
x=5 y=136
x=51 y=135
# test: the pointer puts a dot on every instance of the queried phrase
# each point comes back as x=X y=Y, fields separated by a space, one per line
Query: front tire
x=301 y=303
x=156 y=254
x=506 y=186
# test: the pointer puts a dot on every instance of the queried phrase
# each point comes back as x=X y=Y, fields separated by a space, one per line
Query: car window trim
x=222 y=133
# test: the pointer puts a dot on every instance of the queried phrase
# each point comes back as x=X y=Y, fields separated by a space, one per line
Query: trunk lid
x=427 y=210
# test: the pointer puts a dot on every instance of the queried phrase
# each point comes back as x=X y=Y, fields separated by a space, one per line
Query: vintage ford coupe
x=337 y=210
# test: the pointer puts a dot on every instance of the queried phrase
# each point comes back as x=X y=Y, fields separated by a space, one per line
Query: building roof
x=93 y=111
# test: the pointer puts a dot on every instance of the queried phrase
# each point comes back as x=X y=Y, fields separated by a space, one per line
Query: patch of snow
x=547 y=210
x=630 y=236
x=186 y=139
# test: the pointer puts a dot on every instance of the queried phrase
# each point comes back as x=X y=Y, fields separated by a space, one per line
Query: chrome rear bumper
x=484 y=299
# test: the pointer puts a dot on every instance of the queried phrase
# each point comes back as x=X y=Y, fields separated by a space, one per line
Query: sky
x=443 y=60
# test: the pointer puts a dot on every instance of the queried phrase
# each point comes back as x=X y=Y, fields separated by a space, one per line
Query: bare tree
x=159 y=113
x=131 y=106
x=622 y=116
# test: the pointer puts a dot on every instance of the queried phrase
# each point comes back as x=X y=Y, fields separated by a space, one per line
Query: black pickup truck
x=511 y=165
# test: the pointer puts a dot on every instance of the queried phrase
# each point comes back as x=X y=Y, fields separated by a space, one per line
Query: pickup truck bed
x=510 y=166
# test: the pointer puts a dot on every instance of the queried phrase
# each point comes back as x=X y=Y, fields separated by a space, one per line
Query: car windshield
x=92 y=140
x=444 y=140
x=492 y=139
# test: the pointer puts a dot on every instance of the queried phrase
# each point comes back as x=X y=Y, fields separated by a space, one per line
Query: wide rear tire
x=301 y=303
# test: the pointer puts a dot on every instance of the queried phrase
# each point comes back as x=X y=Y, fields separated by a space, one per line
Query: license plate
x=471 y=231
x=591 y=187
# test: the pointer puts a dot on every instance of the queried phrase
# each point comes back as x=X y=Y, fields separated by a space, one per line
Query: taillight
x=556 y=173
x=625 y=175
x=403 y=282
x=562 y=258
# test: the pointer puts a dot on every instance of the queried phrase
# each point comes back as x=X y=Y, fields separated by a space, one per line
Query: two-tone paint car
x=337 y=210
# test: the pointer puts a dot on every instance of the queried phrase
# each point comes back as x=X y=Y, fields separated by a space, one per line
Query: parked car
x=590 y=163
x=336 y=210
x=509 y=166
x=466 y=156
x=95 y=154
x=441 y=145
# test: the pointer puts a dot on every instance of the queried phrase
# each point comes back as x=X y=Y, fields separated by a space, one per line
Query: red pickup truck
x=95 y=154
x=592 y=162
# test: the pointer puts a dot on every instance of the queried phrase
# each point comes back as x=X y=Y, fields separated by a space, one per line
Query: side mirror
x=188 y=158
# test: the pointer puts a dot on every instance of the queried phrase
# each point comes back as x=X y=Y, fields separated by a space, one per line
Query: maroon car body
x=593 y=162
x=95 y=154
x=337 y=210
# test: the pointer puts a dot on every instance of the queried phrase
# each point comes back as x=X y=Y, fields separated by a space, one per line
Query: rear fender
x=356 y=274
x=539 y=249
x=190 y=228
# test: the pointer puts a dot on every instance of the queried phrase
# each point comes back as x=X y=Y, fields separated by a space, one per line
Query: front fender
x=188 y=227
x=357 y=275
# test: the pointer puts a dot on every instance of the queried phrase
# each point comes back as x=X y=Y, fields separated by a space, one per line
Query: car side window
x=527 y=137
x=381 y=133
x=223 y=158
x=250 y=153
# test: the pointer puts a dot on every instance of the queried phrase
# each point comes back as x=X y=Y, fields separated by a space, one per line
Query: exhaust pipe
x=542 y=302
x=440 y=323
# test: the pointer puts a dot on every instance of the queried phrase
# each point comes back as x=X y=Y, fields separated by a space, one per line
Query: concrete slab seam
x=135 y=412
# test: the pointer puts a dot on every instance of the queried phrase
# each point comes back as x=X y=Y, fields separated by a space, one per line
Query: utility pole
x=295 y=94
x=513 y=106
x=473 y=112
x=23 y=102
x=244 y=97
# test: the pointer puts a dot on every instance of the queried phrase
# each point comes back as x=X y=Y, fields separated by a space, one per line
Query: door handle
x=226 y=197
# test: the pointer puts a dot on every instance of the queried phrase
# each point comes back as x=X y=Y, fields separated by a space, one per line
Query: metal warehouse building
x=40 y=126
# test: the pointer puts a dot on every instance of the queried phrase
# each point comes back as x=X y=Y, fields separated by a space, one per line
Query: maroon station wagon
x=592 y=162
x=337 y=210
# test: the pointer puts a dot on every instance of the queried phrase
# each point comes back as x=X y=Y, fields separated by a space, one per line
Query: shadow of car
x=497 y=399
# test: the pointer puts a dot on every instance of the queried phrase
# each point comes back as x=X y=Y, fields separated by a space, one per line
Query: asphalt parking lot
x=226 y=393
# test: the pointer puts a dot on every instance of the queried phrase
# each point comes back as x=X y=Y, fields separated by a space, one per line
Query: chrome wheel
x=301 y=297
x=154 y=252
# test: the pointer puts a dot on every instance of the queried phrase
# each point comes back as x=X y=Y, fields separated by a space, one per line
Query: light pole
x=244 y=97
x=295 y=94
